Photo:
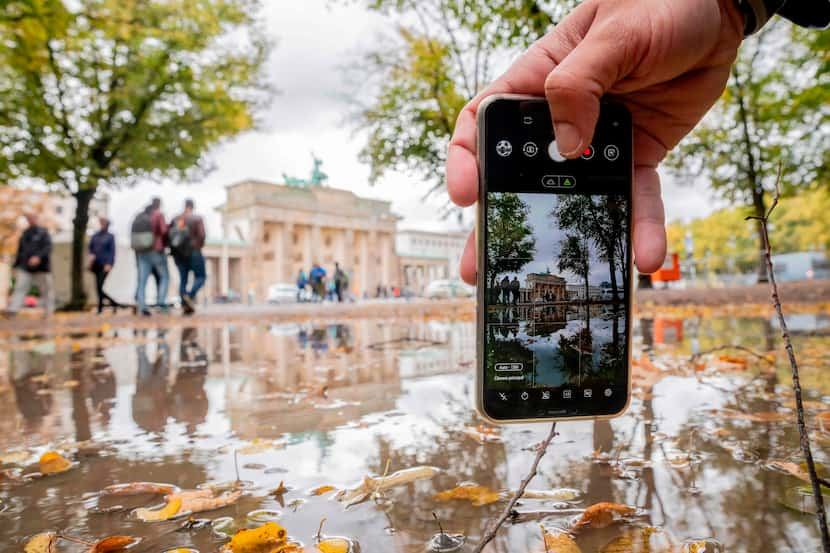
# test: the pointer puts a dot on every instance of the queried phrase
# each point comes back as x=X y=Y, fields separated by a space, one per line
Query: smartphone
x=554 y=266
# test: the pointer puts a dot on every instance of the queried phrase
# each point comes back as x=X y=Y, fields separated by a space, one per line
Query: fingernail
x=567 y=138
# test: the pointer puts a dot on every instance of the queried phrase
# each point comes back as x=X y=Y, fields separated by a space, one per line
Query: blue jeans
x=146 y=262
x=196 y=264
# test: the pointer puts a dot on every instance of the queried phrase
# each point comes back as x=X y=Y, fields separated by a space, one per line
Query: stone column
x=255 y=271
x=368 y=261
x=286 y=253
x=316 y=244
x=307 y=249
x=224 y=263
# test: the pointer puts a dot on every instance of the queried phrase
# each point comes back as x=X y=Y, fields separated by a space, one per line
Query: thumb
x=574 y=89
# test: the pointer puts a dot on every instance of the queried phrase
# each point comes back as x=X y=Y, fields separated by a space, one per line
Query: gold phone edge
x=479 y=381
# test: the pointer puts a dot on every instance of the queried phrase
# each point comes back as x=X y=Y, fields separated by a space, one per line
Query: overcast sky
x=315 y=38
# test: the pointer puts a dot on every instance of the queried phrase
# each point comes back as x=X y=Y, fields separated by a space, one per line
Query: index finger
x=526 y=76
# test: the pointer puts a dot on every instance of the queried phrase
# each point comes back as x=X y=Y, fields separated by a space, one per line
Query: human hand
x=34 y=261
x=667 y=60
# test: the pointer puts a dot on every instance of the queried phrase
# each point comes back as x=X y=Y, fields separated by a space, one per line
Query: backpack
x=141 y=233
x=178 y=238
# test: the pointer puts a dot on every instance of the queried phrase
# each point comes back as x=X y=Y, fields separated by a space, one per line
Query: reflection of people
x=150 y=403
x=26 y=365
x=32 y=266
x=188 y=399
x=672 y=67
x=504 y=289
x=102 y=385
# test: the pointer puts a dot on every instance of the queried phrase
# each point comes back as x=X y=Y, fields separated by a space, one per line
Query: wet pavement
x=706 y=450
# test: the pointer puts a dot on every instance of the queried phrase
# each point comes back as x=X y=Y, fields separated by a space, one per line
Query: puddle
x=294 y=416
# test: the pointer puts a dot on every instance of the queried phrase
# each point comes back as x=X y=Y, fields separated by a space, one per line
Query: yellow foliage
x=477 y=495
x=53 y=462
x=334 y=545
x=268 y=538
x=42 y=543
x=148 y=515
x=559 y=542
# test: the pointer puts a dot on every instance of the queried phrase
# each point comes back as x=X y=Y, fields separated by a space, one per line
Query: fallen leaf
x=268 y=538
x=334 y=545
x=601 y=515
x=197 y=501
x=483 y=434
x=71 y=383
x=733 y=360
x=53 y=462
x=136 y=488
x=42 y=543
x=112 y=543
x=640 y=540
x=371 y=484
x=824 y=420
x=793 y=469
x=322 y=490
x=14 y=457
x=279 y=493
x=168 y=511
x=560 y=494
x=557 y=541
x=477 y=495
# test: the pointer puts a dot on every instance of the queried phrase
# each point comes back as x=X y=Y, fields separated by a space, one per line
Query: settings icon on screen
x=504 y=148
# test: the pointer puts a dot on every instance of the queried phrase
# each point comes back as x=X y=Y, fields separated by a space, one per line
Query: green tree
x=510 y=241
x=774 y=110
x=442 y=53
x=110 y=92
x=574 y=257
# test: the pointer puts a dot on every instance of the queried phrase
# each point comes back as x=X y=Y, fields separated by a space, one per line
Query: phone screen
x=554 y=266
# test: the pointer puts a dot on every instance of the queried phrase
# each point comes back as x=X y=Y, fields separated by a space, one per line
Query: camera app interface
x=556 y=287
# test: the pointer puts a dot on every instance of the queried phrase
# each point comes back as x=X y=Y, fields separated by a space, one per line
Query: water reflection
x=325 y=404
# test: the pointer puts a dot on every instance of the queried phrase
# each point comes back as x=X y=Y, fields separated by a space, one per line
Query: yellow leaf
x=168 y=511
x=603 y=514
x=477 y=495
x=42 y=543
x=334 y=545
x=268 y=538
x=640 y=540
x=53 y=462
x=321 y=490
x=557 y=541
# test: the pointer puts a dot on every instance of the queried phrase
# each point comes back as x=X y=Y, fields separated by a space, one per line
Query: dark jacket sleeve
x=807 y=13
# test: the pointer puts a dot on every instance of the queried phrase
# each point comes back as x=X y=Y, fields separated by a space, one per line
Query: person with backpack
x=148 y=235
x=186 y=238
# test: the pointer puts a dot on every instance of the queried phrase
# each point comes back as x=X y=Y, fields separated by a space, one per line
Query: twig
x=818 y=498
x=490 y=534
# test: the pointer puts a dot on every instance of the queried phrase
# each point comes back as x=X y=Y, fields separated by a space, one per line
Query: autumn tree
x=774 y=110
x=110 y=92
x=510 y=240
x=441 y=54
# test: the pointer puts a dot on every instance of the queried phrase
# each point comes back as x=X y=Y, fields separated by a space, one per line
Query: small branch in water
x=698 y=355
x=490 y=534
x=818 y=498
x=236 y=465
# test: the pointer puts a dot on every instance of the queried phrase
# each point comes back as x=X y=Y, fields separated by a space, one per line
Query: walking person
x=186 y=237
x=32 y=266
x=302 y=282
x=341 y=282
x=148 y=236
x=514 y=289
x=101 y=261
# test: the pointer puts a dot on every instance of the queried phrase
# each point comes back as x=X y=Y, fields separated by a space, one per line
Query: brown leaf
x=557 y=541
x=197 y=501
x=137 y=488
x=112 y=543
x=375 y=484
x=42 y=543
x=640 y=540
x=477 y=495
x=601 y=515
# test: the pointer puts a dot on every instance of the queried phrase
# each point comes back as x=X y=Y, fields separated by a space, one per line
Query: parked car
x=282 y=293
x=454 y=288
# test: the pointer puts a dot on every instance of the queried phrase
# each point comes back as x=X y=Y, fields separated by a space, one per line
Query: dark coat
x=34 y=242
x=102 y=248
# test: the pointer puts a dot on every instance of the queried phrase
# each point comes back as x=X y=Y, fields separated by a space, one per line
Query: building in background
x=426 y=256
x=281 y=229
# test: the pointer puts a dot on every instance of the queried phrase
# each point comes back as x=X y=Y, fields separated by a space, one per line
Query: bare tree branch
x=818 y=498
x=490 y=534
